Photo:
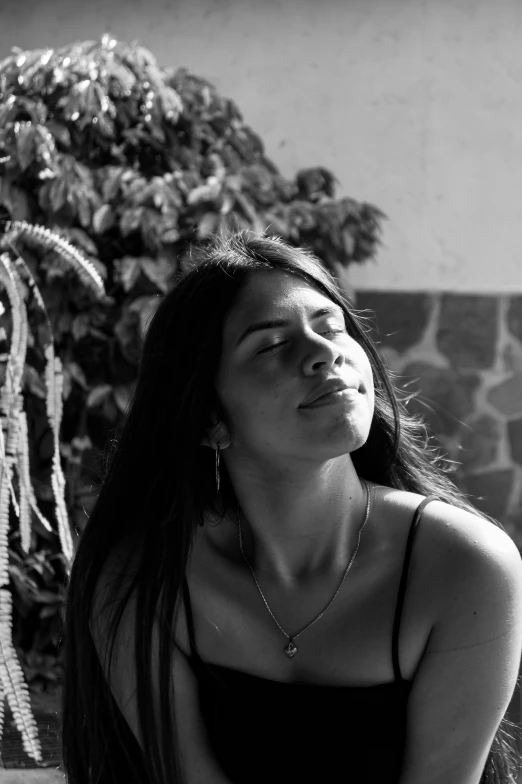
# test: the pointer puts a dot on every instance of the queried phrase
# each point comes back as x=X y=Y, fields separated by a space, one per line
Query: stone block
x=480 y=441
x=468 y=330
x=490 y=491
x=400 y=317
x=514 y=316
x=515 y=439
x=445 y=397
x=506 y=397
x=512 y=357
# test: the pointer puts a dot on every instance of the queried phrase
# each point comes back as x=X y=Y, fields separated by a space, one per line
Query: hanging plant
x=16 y=489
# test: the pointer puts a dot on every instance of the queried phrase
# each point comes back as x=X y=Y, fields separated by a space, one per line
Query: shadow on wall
x=462 y=357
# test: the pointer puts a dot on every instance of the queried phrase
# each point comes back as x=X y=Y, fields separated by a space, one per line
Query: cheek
x=368 y=381
x=367 y=376
x=357 y=355
x=248 y=396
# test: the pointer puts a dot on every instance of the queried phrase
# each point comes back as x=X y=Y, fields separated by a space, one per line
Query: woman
x=263 y=592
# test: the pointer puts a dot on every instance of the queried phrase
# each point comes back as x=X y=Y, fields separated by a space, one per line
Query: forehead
x=272 y=292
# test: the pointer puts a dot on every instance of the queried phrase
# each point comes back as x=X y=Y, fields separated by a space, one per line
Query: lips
x=326 y=388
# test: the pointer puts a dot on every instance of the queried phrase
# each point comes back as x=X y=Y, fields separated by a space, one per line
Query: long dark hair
x=158 y=486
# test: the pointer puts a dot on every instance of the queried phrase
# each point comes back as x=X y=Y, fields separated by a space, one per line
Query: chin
x=344 y=440
x=339 y=444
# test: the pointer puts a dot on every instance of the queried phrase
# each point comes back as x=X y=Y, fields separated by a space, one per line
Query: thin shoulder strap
x=402 y=585
x=190 y=619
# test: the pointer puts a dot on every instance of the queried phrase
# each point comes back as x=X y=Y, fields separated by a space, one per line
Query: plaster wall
x=416 y=107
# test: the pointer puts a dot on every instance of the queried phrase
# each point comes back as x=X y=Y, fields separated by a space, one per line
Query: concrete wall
x=415 y=105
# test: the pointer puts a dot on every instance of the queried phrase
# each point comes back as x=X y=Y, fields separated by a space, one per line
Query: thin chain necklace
x=291 y=649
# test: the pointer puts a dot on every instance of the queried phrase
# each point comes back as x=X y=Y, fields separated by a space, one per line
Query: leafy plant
x=15 y=466
x=109 y=168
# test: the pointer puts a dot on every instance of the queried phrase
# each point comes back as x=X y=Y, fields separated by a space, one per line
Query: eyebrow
x=275 y=323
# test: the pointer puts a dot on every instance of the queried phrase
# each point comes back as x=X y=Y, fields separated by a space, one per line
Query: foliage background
x=130 y=163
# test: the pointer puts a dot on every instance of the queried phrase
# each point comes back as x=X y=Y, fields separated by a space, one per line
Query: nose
x=321 y=355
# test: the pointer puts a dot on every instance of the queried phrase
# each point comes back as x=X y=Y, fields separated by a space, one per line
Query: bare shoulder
x=472 y=569
x=455 y=536
x=469 y=543
x=465 y=570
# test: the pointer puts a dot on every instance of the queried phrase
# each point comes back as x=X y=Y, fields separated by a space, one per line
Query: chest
x=241 y=627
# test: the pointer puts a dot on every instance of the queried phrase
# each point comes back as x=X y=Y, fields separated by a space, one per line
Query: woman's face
x=292 y=383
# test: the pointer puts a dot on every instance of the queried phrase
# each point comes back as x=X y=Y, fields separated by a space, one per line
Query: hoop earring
x=218 y=477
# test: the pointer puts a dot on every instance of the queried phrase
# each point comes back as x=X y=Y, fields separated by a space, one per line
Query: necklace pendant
x=290 y=650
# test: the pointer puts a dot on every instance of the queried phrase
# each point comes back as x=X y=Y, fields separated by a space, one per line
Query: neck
x=301 y=523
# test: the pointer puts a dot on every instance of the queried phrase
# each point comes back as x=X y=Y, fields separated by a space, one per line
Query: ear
x=216 y=434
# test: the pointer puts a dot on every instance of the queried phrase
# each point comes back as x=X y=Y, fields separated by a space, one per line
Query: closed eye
x=333 y=331
x=272 y=347
x=330 y=331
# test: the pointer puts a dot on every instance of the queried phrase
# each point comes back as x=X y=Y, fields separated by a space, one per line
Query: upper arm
x=469 y=670
x=197 y=759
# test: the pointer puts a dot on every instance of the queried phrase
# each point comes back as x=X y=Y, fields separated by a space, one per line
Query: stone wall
x=462 y=356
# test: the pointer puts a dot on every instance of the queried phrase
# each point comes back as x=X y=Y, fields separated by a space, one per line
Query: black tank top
x=270 y=732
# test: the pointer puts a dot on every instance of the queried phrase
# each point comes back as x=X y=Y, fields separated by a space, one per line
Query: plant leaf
x=103 y=219
x=13 y=682
x=25 y=145
x=170 y=236
x=60 y=132
x=112 y=179
x=58 y=193
x=122 y=396
x=71 y=255
x=80 y=326
x=158 y=271
x=204 y=193
x=81 y=238
x=145 y=307
x=77 y=374
x=98 y=395
x=207 y=225
x=25 y=491
x=83 y=205
x=33 y=381
x=15 y=199
x=131 y=220
x=127 y=271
